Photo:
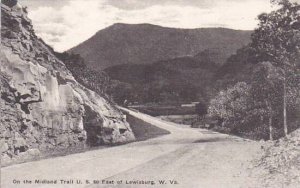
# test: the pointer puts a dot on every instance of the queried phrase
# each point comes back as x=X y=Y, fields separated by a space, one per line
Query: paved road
x=192 y=158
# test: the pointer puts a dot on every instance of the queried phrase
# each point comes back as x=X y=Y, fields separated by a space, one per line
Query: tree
x=231 y=105
x=266 y=93
x=277 y=40
x=201 y=109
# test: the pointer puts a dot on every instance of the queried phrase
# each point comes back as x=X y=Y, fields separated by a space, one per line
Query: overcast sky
x=66 y=23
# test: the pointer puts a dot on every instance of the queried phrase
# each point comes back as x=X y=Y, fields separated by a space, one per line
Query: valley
x=143 y=105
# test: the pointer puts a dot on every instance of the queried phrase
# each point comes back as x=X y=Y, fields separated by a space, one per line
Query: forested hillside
x=146 y=43
x=177 y=80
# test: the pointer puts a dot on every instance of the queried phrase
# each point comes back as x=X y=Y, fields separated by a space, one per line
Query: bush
x=201 y=109
x=9 y=3
x=231 y=105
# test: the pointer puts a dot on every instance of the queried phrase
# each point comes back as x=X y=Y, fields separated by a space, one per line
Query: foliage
x=266 y=87
x=277 y=39
x=201 y=109
x=179 y=80
x=9 y=3
x=95 y=80
x=236 y=62
x=255 y=108
x=121 y=92
x=293 y=91
x=266 y=93
x=231 y=105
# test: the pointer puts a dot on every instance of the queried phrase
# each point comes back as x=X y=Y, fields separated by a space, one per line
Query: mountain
x=176 y=80
x=237 y=68
x=43 y=109
x=146 y=43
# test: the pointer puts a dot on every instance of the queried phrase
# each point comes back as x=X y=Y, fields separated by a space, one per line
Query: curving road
x=192 y=158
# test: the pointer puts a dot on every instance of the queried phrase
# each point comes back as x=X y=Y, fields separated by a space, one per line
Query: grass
x=143 y=130
x=164 y=110
x=181 y=119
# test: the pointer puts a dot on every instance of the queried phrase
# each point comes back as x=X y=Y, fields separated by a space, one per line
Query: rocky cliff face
x=42 y=107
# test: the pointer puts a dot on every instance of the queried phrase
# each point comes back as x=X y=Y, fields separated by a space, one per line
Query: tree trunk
x=269 y=107
x=271 y=127
x=285 y=126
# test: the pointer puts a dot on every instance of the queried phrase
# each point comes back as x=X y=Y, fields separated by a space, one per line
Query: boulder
x=6 y=160
x=33 y=152
x=3 y=146
x=20 y=142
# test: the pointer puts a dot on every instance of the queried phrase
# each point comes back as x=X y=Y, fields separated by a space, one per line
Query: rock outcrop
x=42 y=106
x=279 y=164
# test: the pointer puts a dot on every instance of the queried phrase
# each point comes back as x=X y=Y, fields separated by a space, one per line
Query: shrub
x=9 y=3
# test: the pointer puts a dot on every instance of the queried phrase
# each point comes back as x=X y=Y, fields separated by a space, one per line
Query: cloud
x=141 y=4
x=78 y=20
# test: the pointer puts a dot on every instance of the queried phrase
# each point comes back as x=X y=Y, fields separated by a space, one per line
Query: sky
x=64 y=24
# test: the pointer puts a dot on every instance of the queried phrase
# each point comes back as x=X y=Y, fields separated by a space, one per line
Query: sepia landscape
x=196 y=93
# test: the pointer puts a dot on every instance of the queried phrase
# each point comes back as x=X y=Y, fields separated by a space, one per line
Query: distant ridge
x=147 y=43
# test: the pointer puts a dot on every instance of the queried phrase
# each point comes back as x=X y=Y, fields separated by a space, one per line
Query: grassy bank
x=143 y=130
x=181 y=119
x=164 y=110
